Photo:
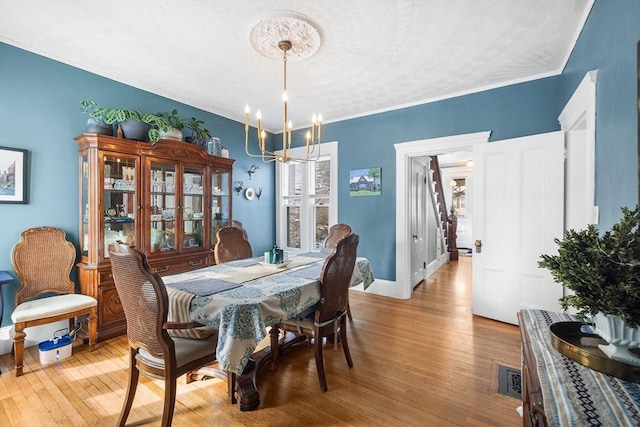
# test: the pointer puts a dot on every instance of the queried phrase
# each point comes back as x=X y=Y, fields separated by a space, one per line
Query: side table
x=5 y=277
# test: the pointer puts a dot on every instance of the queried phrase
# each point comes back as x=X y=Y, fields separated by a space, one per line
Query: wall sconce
x=259 y=193
x=239 y=187
x=252 y=170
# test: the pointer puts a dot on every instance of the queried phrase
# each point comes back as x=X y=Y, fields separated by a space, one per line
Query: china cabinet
x=168 y=199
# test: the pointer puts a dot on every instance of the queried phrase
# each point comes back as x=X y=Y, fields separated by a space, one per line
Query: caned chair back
x=336 y=232
x=231 y=245
x=335 y=278
x=43 y=260
x=144 y=299
x=238 y=224
x=152 y=351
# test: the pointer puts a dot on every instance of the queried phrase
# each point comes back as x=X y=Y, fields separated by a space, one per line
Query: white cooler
x=57 y=348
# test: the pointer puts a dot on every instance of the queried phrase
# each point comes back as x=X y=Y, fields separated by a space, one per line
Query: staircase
x=448 y=221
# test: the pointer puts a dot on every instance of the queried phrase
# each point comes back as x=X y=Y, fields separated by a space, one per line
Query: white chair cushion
x=51 y=306
x=187 y=350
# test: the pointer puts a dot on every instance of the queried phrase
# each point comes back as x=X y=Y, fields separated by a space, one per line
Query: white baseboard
x=386 y=288
x=435 y=265
x=35 y=335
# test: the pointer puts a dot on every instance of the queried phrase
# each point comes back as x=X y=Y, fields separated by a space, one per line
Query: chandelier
x=262 y=39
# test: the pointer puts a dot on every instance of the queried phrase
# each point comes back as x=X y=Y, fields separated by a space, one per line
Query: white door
x=518 y=211
x=418 y=220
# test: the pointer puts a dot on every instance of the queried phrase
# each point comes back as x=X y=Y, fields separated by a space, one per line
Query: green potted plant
x=603 y=271
x=199 y=134
x=95 y=125
x=134 y=124
x=176 y=124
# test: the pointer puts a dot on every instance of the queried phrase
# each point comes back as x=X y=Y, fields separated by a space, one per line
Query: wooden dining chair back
x=152 y=351
x=238 y=224
x=336 y=232
x=329 y=317
x=231 y=245
x=43 y=260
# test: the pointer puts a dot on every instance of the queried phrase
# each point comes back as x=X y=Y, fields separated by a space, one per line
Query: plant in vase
x=134 y=124
x=603 y=271
x=176 y=124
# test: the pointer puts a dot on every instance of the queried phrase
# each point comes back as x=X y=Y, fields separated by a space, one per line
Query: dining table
x=242 y=299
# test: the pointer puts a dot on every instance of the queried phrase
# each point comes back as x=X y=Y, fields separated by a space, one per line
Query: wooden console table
x=557 y=391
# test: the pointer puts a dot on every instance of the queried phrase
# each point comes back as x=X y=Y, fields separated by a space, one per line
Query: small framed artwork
x=365 y=182
x=14 y=174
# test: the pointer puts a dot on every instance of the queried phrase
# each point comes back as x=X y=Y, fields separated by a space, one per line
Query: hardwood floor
x=426 y=361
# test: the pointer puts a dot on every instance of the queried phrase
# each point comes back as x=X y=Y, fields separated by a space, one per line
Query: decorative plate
x=112 y=212
x=249 y=193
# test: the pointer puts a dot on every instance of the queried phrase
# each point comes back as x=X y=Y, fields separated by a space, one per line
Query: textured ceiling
x=375 y=55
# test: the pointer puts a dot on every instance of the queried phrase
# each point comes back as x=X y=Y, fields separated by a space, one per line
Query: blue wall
x=608 y=43
x=39 y=111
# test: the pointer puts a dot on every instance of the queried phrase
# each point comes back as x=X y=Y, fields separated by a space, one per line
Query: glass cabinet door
x=163 y=207
x=84 y=205
x=120 y=201
x=220 y=202
x=192 y=207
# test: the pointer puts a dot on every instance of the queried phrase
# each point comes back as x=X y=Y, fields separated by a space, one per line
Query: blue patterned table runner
x=573 y=394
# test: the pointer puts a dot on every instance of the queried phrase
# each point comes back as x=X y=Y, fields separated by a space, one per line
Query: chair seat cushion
x=187 y=350
x=51 y=306
x=307 y=322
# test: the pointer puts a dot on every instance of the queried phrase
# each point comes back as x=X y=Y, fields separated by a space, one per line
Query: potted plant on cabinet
x=95 y=125
x=134 y=124
x=199 y=135
x=176 y=124
x=603 y=271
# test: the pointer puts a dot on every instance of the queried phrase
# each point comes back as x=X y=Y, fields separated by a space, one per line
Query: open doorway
x=456 y=170
x=405 y=153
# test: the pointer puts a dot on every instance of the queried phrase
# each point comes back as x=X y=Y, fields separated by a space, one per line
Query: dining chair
x=238 y=224
x=152 y=351
x=43 y=260
x=231 y=245
x=337 y=232
x=329 y=317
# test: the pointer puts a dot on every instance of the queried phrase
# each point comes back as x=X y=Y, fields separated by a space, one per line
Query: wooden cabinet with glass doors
x=167 y=198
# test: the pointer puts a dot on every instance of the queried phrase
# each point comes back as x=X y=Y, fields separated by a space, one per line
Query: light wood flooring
x=426 y=361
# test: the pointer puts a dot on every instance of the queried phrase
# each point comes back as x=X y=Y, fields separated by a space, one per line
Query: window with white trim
x=307 y=199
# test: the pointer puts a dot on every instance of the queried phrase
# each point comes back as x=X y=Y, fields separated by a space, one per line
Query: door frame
x=405 y=151
x=580 y=113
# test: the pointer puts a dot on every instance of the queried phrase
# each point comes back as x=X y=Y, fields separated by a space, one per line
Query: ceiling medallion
x=301 y=32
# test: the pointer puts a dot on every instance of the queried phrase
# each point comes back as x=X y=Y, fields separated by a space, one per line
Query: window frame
x=307 y=238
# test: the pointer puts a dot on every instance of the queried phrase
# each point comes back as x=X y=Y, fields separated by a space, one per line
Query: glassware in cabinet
x=119 y=203
x=192 y=206
x=220 y=202
x=162 y=212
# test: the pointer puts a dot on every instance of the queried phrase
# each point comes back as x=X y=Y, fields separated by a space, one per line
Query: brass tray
x=582 y=347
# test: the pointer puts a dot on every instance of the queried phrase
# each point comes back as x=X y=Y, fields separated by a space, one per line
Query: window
x=307 y=199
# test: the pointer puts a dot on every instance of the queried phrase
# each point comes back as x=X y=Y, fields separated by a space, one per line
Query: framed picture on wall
x=365 y=182
x=14 y=168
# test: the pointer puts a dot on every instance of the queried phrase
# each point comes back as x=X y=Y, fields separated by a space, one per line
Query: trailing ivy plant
x=603 y=270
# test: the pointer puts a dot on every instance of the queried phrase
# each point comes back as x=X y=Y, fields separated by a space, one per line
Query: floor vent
x=510 y=382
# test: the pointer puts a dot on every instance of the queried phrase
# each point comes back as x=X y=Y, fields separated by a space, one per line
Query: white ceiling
x=376 y=55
